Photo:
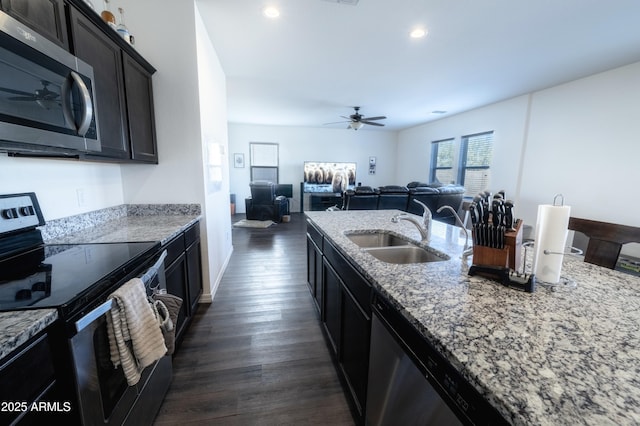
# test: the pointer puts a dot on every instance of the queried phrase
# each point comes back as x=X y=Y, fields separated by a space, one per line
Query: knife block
x=509 y=256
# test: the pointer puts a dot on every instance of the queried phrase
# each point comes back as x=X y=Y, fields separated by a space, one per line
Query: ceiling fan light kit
x=355 y=125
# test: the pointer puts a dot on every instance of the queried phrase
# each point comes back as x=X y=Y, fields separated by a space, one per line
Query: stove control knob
x=26 y=211
x=10 y=213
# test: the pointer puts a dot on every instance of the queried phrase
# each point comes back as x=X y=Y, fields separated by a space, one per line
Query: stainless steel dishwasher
x=411 y=384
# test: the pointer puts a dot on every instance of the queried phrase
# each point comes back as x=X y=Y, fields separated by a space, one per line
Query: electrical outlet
x=81 y=197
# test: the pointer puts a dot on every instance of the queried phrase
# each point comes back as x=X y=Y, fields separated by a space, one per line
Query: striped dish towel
x=135 y=338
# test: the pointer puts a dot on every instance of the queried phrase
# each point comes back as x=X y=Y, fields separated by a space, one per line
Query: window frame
x=433 y=169
x=464 y=150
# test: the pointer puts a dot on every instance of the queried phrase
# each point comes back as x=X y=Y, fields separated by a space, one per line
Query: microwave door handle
x=66 y=103
x=86 y=102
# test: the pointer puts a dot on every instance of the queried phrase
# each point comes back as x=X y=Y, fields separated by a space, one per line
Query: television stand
x=322 y=201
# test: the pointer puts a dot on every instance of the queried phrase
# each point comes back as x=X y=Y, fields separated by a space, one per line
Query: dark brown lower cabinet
x=27 y=376
x=183 y=270
x=345 y=312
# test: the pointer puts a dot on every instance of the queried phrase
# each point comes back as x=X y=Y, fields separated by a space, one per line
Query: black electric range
x=68 y=277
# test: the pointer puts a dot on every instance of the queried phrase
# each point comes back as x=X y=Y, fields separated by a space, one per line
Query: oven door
x=46 y=94
x=104 y=396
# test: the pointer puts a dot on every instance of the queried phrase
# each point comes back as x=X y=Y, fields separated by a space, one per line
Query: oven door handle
x=83 y=322
x=148 y=275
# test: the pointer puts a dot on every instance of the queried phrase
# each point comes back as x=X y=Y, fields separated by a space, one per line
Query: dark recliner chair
x=393 y=197
x=360 y=198
x=425 y=194
x=263 y=203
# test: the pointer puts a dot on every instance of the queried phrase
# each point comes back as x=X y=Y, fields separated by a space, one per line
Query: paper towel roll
x=551 y=235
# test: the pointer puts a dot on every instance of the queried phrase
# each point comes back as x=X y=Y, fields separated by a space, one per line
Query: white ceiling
x=319 y=58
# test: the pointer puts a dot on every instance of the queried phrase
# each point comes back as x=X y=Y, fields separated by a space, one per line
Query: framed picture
x=238 y=161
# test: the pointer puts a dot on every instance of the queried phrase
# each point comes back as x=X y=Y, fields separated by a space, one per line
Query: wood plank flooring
x=256 y=355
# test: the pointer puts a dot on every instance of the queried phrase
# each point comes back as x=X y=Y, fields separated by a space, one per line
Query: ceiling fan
x=43 y=97
x=357 y=120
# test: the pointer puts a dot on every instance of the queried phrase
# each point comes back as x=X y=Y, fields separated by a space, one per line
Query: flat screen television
x=322 y=176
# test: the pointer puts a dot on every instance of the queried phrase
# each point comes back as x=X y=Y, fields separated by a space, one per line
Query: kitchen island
x=570 y=356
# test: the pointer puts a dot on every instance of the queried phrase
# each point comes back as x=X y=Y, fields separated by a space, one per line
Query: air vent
x=351 y=2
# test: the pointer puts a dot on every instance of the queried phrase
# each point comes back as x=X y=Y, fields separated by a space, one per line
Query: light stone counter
x=132 y=223
x=562 y=357
x=19 y=327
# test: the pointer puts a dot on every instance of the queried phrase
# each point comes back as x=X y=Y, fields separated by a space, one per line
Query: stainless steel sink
x=378 y=239
x=393 y=248
x=406 y=254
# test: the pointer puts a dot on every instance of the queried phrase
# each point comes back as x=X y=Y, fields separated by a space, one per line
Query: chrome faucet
x=467 y=250
x=424 y=227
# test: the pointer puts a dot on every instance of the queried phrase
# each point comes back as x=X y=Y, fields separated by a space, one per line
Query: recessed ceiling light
x=418 y=33
x=271 y=12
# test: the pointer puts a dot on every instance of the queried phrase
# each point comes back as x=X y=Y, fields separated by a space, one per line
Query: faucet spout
x=466 y=233
x=424 y=228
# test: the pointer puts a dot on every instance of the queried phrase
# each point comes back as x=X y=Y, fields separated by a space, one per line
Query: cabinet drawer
x=314 y=234
x=355 y=283
x=174 y=248
x=192 y=234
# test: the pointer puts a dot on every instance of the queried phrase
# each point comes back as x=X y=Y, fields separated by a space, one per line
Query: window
x=475 y=160
x=442 y=155
x=264 y=161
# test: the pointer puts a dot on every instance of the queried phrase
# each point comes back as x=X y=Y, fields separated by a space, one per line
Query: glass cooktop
x=67 y=276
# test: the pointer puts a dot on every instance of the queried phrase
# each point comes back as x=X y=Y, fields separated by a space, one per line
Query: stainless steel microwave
x=47 y=101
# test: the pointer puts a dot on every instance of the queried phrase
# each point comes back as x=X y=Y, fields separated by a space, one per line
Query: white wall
x=63 y=187
x=579 y=139
x=190 y=111
x=299 y=144
x=213 y=113
x=506 y=119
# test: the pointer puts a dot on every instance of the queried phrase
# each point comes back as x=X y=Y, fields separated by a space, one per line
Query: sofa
x=434 y=196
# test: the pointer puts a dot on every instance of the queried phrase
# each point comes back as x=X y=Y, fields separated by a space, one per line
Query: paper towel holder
x=561 y=200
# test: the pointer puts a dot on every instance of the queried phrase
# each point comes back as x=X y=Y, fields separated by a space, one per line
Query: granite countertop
x=569 y=356
x=126 y=223
x=131 y=229
x=19 y=327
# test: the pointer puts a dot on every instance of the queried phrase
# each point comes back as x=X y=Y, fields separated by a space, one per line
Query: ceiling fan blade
x=381 y=117
x=372 y=123
x=15 y=92
x=22 y=98
x=337 y=122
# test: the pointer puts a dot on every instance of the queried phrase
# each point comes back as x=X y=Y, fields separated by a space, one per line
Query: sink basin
x=406 y=254
x=378 y=239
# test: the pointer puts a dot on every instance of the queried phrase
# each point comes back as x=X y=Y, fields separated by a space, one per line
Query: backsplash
x=59 y=227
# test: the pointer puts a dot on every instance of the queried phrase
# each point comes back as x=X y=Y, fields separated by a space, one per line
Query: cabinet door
x=140 y=112
x=314 y=273
x=332 y=317
x=354 y=354
x=194 y=275
x=94 y=47
x=176 y=277
x=44 y=16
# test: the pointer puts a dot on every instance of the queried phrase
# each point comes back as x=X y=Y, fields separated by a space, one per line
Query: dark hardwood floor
x=256 y=355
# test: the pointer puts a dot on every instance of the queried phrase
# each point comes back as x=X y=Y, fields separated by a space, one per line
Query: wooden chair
x=605 y=240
